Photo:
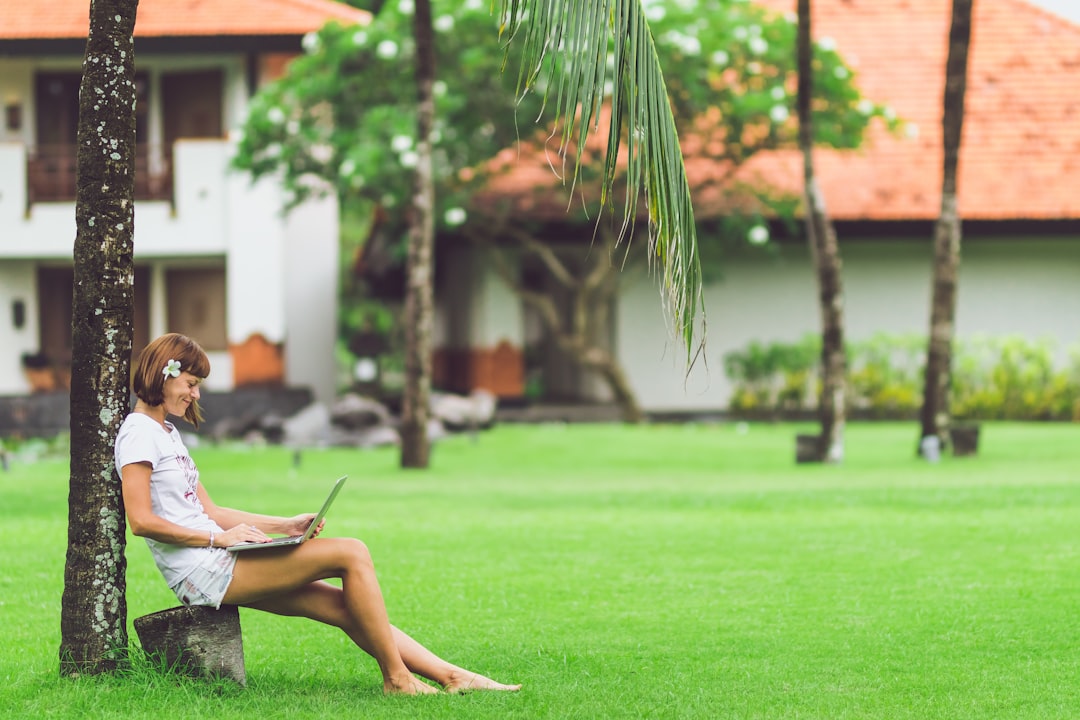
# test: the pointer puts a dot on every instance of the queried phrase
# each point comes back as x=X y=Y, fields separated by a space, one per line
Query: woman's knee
x=355 y=553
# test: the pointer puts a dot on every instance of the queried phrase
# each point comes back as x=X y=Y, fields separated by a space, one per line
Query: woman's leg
x=272 y=586
x=326 y=603
x=265 y=577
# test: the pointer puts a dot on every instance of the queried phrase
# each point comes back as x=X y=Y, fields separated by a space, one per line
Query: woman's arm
x=135 y=484
x=269 y=524
x=144 y=522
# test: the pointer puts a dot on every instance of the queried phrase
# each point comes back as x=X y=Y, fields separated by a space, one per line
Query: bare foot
x=409 y=685
x=463 y=681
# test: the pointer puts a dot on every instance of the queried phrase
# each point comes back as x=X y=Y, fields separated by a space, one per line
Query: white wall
x=497 y=310
x=17 y=88
x=18 y=281
x=1025 y=287
x=311 y=284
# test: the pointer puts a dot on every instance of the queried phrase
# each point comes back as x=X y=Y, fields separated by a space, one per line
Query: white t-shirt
x=173 y=483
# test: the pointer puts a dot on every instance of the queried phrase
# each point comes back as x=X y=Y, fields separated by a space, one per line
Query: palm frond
x=566 y=45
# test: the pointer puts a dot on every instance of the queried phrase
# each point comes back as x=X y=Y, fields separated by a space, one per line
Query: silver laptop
x=295 y=539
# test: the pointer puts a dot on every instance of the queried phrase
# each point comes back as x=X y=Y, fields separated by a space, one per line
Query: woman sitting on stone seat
x=187 y=532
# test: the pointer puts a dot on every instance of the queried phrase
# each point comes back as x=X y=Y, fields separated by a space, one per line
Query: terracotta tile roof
x=65 y=19
x=1020 y=157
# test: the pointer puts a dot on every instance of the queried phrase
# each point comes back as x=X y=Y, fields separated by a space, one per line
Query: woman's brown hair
x=149 y=378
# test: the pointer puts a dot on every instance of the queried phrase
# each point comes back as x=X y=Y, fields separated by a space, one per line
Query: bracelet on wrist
x=211 y=543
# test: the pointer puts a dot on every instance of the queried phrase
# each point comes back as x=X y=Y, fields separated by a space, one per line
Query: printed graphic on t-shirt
x=191 y=477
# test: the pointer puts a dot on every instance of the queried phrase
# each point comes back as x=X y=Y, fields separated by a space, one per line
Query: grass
x=628 y=572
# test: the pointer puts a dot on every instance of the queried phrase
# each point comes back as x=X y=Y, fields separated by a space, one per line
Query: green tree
x=730 y=75
x=93 y=616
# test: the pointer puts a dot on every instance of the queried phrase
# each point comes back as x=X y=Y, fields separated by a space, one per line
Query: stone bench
x=197 y=641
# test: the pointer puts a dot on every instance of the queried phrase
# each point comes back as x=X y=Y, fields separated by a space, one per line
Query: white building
x=259 y=289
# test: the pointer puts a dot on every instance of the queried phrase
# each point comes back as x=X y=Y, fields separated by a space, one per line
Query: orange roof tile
x=69 y=19
x=1020 y=154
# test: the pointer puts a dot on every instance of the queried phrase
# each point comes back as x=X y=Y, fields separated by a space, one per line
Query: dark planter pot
x=965 y=440
x=808 y=449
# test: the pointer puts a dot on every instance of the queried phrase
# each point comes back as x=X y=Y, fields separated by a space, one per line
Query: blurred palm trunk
x=419 y=303
x=825 y=252
x=935 y=415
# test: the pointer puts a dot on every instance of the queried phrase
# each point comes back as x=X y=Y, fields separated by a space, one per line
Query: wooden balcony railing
x=50 y=173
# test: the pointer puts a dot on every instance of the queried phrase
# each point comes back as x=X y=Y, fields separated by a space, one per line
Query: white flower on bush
x=321 y=153
x=406 y=7
x=310 y=43
x=401 y=143
x=292 y=127
x=865 y=106
x=474 y=4
x=454 y=216
x=758 y=45
x=347 y=168
x=827 y=44
x=689 y=45
x=720 y=57
x=387 y=50
x=758 y=235
x=444 y=23
x=778 y=93
x=275 y=115
x=359 y=38
x=409 y=159
x=841 y=72
x=439 y=87
x=778 y=114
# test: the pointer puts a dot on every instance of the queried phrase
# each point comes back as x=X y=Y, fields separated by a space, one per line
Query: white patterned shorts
x=207 y=583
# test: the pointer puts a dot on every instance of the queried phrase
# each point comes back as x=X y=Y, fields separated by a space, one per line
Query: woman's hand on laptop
x=298 y=525
x=243 y=533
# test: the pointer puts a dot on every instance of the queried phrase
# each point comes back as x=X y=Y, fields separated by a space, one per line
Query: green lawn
x=652 y=572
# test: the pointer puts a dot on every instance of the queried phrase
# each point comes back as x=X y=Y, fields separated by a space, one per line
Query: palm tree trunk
x=935 y=415
x=93 y=614
x=825 y=252
x=419 y=303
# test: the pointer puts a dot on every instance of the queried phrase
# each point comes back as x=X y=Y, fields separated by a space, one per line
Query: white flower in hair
x=172 y=369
